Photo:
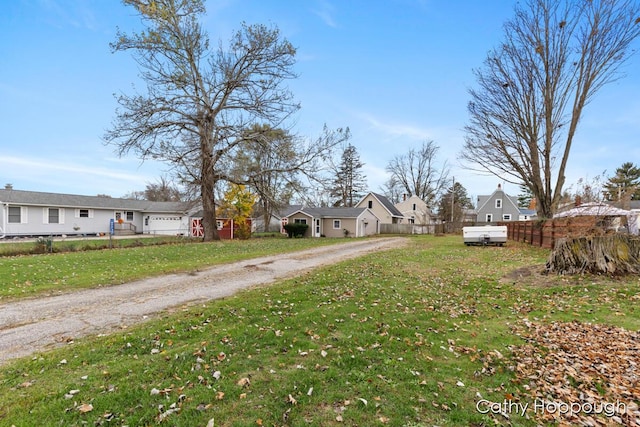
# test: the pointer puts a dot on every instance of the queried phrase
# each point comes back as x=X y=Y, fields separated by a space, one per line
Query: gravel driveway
x=33 y=325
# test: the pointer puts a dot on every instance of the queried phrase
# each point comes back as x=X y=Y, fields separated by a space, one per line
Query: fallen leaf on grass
x=582 y=362
x=291 y=400
x=85 y=407
x=244 y=382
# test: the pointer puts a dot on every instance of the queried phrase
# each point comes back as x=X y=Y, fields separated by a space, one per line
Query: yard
x=435 y=333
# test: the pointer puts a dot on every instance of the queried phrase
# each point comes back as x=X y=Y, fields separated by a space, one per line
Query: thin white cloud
x=42 y=166
x=325 y=12
x=75 y=176
x=77 y=14
x=396 y=130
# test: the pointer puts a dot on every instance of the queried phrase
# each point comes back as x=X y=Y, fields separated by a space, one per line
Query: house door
x=317 y=227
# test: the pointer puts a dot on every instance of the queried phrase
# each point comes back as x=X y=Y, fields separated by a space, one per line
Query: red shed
x=227 y=228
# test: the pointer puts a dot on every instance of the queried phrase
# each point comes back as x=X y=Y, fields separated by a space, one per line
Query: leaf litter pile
x=592 y=367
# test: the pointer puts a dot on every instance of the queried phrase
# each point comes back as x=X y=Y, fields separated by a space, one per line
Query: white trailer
x=485 y=235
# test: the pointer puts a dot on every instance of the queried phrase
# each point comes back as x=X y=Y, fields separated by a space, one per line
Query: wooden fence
x=546 y=233
x=410 y=229
x=439 y=228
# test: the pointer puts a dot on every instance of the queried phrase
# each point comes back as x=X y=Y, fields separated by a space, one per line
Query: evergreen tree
x=460 y=202
x=350 y=183
x=525 y=197
x=624 y=185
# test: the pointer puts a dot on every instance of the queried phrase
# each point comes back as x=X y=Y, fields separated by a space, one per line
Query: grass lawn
x=28 y=275
x=410 y=337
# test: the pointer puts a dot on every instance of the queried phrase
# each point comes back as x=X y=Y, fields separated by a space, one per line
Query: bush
x=243 y=232
x=296 y=229
x=43 y=245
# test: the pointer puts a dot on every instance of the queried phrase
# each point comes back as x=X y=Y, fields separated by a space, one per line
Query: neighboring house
x=415 y=211
x=382 y=208
x=334 y=222
x=31 y=213
x=273 y=225
x=608 y=216
x=527 y=214
x=469 y=215
x=498 y=207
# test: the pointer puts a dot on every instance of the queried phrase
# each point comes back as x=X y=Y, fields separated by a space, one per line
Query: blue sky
x=396 y=72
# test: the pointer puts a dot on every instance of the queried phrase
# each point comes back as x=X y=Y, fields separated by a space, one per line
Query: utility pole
x=453 y=197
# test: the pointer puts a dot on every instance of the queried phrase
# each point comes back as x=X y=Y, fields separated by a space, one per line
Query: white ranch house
x=31 y=213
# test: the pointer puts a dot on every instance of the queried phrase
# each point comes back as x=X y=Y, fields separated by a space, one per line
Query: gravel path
x=32 y=325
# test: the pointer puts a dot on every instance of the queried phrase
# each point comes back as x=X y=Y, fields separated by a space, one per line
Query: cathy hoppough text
x=540 y=406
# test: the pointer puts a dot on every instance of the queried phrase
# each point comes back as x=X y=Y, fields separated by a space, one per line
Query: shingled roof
x=36 y=198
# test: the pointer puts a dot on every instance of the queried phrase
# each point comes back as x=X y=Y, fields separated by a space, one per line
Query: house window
x=129 y=215
x=54 y=216
x=489 y=217
x=83 y=213
x=336 y=224
x=412 y=220
x=506 y=217
x=370 y=205
x=414 y=207
x=299 y=220
x=14 y=215
x=498 y=203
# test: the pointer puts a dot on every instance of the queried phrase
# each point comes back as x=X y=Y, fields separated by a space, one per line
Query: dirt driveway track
x=32 y=325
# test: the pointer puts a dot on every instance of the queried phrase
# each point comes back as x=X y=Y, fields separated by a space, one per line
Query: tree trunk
x=207 y=186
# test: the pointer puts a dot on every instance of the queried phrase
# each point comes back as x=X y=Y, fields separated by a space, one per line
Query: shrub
x=43 y=244
x=296 y=229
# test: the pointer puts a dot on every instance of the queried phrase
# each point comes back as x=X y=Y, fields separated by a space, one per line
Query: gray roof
x=388 y=205
x=286 y=211
x=530 y=212
x=328 y=212
x=335 y=212
x=35 y=198
x=482 y=200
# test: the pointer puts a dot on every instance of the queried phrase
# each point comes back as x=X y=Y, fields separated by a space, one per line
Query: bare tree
x=200 y=101
x=266 y=164
x=418 y=173
x=392 y=190
x=532 y=90
x=163 y=191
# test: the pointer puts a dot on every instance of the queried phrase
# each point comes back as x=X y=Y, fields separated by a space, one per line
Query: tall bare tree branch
x=532 y=90
x=199 y=100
